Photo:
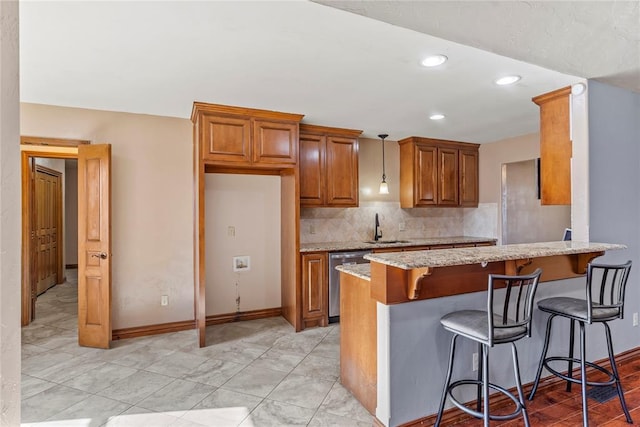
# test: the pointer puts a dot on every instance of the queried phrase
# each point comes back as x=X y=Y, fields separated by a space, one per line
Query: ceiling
x=593 y=39
x=336 y=67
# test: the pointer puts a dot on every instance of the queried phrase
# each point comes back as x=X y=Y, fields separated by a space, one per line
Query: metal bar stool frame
x=609 y=281
x=488 y=328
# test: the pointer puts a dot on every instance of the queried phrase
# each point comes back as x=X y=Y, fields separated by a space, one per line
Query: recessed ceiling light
x=436 y=116
x=507 y=80
x=434 y=60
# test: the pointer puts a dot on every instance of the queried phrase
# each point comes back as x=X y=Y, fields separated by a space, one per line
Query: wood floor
x=556 y=407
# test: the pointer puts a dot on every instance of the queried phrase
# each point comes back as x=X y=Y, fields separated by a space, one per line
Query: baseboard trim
x=218 y=319
x=454 y=415
x=161 y=328
x=185 y=325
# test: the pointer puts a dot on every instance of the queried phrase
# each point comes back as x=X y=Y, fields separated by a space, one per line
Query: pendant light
x=384 y=188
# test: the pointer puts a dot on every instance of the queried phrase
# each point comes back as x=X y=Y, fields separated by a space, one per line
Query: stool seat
x=577 y=309
x=473 y=324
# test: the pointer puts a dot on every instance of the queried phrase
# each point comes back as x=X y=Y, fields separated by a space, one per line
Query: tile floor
x=255 y=373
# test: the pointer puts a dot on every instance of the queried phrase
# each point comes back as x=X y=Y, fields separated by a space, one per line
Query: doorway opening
x=55 y=225
x=42 y=241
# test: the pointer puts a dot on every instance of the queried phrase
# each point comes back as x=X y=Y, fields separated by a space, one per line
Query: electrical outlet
x=635 y=319
x=401 y=226
x=164 y=300
x=231 y=231
x=312 y=229
x=474 y=362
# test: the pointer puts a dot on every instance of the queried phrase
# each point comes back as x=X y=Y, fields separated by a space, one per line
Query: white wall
x=9 y=216
x=152 y=205
x=614 y=193
x=491 y=158
x=71 y=212
x=251 y=205
x=370 y=170
x=525 y=218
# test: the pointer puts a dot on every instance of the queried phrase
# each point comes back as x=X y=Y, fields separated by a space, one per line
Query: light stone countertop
x=362 y=271
x=400 y=243
x=476 y=255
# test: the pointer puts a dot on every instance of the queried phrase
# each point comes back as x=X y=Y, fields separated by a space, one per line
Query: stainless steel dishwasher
x=335 y=259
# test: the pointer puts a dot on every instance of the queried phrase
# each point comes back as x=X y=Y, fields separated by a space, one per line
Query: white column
x=580 y=163
x=10 y=213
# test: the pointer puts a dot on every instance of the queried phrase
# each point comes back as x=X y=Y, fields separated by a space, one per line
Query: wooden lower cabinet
x=358 y=341
x=315 y=281
x=315 y=289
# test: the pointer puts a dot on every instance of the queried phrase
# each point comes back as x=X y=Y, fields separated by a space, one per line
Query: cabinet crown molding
x=546 y=97
x=439 y=142
x=322 y=130
x=203 y=107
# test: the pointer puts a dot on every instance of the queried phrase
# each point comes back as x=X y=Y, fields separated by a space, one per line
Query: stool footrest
x=611 y=381
x=462 y=407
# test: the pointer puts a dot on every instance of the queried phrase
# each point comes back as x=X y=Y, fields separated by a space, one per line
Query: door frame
x=35 y=147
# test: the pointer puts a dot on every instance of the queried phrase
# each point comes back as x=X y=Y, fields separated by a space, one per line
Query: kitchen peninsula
x=393 y=352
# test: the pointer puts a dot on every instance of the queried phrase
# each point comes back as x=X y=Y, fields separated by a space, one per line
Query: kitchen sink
x=385 y=242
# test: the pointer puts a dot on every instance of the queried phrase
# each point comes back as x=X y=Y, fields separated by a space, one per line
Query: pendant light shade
x=384 y=188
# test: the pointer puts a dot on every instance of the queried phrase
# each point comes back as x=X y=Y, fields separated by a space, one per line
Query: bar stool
x=604 y=302
x=508 y=323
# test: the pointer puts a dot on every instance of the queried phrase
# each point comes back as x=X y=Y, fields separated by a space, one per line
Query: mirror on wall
x=524 y=219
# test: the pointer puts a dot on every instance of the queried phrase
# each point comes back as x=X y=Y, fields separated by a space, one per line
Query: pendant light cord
x=382 y=137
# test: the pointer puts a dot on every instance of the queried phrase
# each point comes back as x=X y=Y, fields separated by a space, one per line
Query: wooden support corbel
x=514 y=267
x=582 y=260
x=416 y=276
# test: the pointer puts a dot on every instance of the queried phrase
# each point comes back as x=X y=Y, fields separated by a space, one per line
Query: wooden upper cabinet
x=435 y=172
x=226 y=139
x=312 y=169
x=275 y=142
x=555 y=147
x=328 y=166
x=468 y=163
x=342 y=171
x=244 y=137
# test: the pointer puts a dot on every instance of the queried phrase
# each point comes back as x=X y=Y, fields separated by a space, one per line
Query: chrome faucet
x=378 y=231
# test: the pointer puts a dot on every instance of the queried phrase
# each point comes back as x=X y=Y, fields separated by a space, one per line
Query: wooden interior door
x=47 y=228
x=94 y=245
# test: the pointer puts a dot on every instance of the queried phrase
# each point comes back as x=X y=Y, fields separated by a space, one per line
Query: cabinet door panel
x=448 y=171
x=314 y=285
x=226 y=139
x=555 y=147
x=275 y=142
x=342 y=171
x=469 y=178
x=312 y=178
x=426 y=175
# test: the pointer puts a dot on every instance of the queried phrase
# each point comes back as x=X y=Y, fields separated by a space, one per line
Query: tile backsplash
x=357 y=224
